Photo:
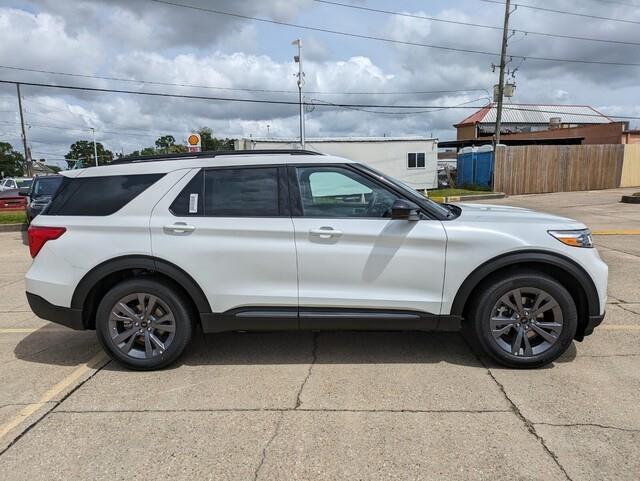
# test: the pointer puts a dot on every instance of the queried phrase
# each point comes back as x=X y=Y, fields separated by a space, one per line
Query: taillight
x=38 y=236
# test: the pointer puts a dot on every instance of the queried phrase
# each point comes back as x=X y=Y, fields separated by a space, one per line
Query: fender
x=528 y=256
x=149 y=263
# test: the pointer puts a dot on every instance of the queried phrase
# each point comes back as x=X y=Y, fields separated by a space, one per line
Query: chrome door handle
x=179 y=228
x=325 y=232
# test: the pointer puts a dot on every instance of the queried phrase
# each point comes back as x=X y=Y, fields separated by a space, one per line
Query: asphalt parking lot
x=324 y=406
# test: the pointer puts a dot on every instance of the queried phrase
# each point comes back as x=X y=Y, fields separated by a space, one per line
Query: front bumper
x=65 y=316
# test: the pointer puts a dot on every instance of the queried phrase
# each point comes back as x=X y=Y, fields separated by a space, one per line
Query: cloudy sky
x=150 y=41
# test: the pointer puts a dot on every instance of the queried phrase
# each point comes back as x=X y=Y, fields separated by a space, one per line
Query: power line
x=283 y=102
x=477 y=25
x=324 y=30
x=563 y=12
x=71 y=129
x=200 y=97
x=413 y=112
x=238 y=89
x=618 y=3
x=86 y=128
x=395 y=41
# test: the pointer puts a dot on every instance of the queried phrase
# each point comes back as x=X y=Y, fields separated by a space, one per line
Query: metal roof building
x=522 y=118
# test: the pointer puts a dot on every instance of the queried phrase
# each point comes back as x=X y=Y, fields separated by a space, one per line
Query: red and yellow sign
x=194 y=143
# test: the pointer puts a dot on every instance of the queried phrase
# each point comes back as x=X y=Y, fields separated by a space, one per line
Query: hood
x=504 y=213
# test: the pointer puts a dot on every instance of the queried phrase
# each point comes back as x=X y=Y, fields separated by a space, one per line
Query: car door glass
x=241 y=192
x=338 y=192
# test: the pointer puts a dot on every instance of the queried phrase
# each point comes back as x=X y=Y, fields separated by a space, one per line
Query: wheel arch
x=101 y=278
x=566 y=271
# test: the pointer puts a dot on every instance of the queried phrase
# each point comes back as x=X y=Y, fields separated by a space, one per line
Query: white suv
x=144 y=250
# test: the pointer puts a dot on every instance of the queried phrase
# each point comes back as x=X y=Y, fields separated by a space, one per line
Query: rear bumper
x=65 y=316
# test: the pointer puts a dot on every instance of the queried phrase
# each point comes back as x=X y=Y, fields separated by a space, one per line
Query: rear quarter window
x=98 y=196
x=235 y=192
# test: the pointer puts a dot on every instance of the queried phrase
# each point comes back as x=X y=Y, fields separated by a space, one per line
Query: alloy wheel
x=526 y=322
x=142 y=325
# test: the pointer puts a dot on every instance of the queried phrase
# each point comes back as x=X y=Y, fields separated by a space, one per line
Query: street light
x=95 y=148
x=300 y=75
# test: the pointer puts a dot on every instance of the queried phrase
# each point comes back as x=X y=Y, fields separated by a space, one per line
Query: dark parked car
x=39 y=194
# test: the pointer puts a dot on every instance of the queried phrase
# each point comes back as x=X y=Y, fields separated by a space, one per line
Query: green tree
x=165 y=142
x=167 y=145
x=209 y=142
x=82 y=151
x=148 y=151
x=11 y=162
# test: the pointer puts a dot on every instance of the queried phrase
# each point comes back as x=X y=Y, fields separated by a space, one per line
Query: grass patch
x=13 y=217
x=455 y=192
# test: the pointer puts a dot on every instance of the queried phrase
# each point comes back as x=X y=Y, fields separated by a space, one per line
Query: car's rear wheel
x=144 y=323
x=524 y=320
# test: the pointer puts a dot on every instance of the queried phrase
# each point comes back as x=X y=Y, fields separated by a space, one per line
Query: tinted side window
x=247 y=192
x=98 y=196
x=337 y=192
x=190 y=202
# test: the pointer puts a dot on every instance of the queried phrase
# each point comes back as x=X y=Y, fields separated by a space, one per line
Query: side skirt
x=329 y=319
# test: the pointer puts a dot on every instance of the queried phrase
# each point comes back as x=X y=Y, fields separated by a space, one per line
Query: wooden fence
x=631 y=166
x=536 y=169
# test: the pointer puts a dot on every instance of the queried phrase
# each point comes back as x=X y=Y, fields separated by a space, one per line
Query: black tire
x=478 y=324
x=169 y=298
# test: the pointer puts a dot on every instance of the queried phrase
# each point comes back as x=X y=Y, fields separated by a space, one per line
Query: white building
x=413 y=160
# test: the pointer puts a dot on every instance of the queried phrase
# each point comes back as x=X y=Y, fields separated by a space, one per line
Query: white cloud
x=146 y=40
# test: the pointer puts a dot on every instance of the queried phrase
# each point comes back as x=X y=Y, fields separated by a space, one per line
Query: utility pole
x=27 y=153
x=95 y=148
x=503 y=59
x=300 y=75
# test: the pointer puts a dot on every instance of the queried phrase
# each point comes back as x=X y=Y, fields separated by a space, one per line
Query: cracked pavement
x=328 y=405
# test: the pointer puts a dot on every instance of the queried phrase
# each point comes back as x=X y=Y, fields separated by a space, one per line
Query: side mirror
x=23 y=191
x=404 y=209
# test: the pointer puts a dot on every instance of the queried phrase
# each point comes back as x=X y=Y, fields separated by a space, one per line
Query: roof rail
x=210 y=153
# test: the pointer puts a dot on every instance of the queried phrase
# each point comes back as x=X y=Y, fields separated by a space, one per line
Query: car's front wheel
x=524 y=320
x=144 y=323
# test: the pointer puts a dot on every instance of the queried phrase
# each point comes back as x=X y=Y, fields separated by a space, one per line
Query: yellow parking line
x=94 y=363
x=619 y=327
x=27 y=330
x=616 y=232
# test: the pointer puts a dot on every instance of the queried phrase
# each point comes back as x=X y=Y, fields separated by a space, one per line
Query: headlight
x=573 y=238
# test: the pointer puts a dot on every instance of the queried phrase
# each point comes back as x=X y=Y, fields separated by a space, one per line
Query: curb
x=465 y=198
x=13 y=227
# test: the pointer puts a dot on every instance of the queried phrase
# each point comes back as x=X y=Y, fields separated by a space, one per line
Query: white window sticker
x=193 y=204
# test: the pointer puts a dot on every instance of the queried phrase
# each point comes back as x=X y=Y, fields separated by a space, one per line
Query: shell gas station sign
x=194 y=143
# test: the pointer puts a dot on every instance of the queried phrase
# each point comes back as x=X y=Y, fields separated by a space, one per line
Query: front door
x=230 y=229
x=352 y=255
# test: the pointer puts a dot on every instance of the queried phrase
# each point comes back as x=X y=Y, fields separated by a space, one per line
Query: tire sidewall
x=167 y=294
x=488 y=300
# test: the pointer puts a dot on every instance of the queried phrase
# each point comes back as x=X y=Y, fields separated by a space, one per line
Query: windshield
x=46 y=185
x=24 y=183
x=410 y=191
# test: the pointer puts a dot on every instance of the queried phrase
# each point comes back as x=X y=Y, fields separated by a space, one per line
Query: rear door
x=230 y=229
x=352 y=255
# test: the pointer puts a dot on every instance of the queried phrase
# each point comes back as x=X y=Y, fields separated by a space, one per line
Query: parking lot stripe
x=94 y=363
x=616 y=232
x=619 y=327
x=27 y=330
